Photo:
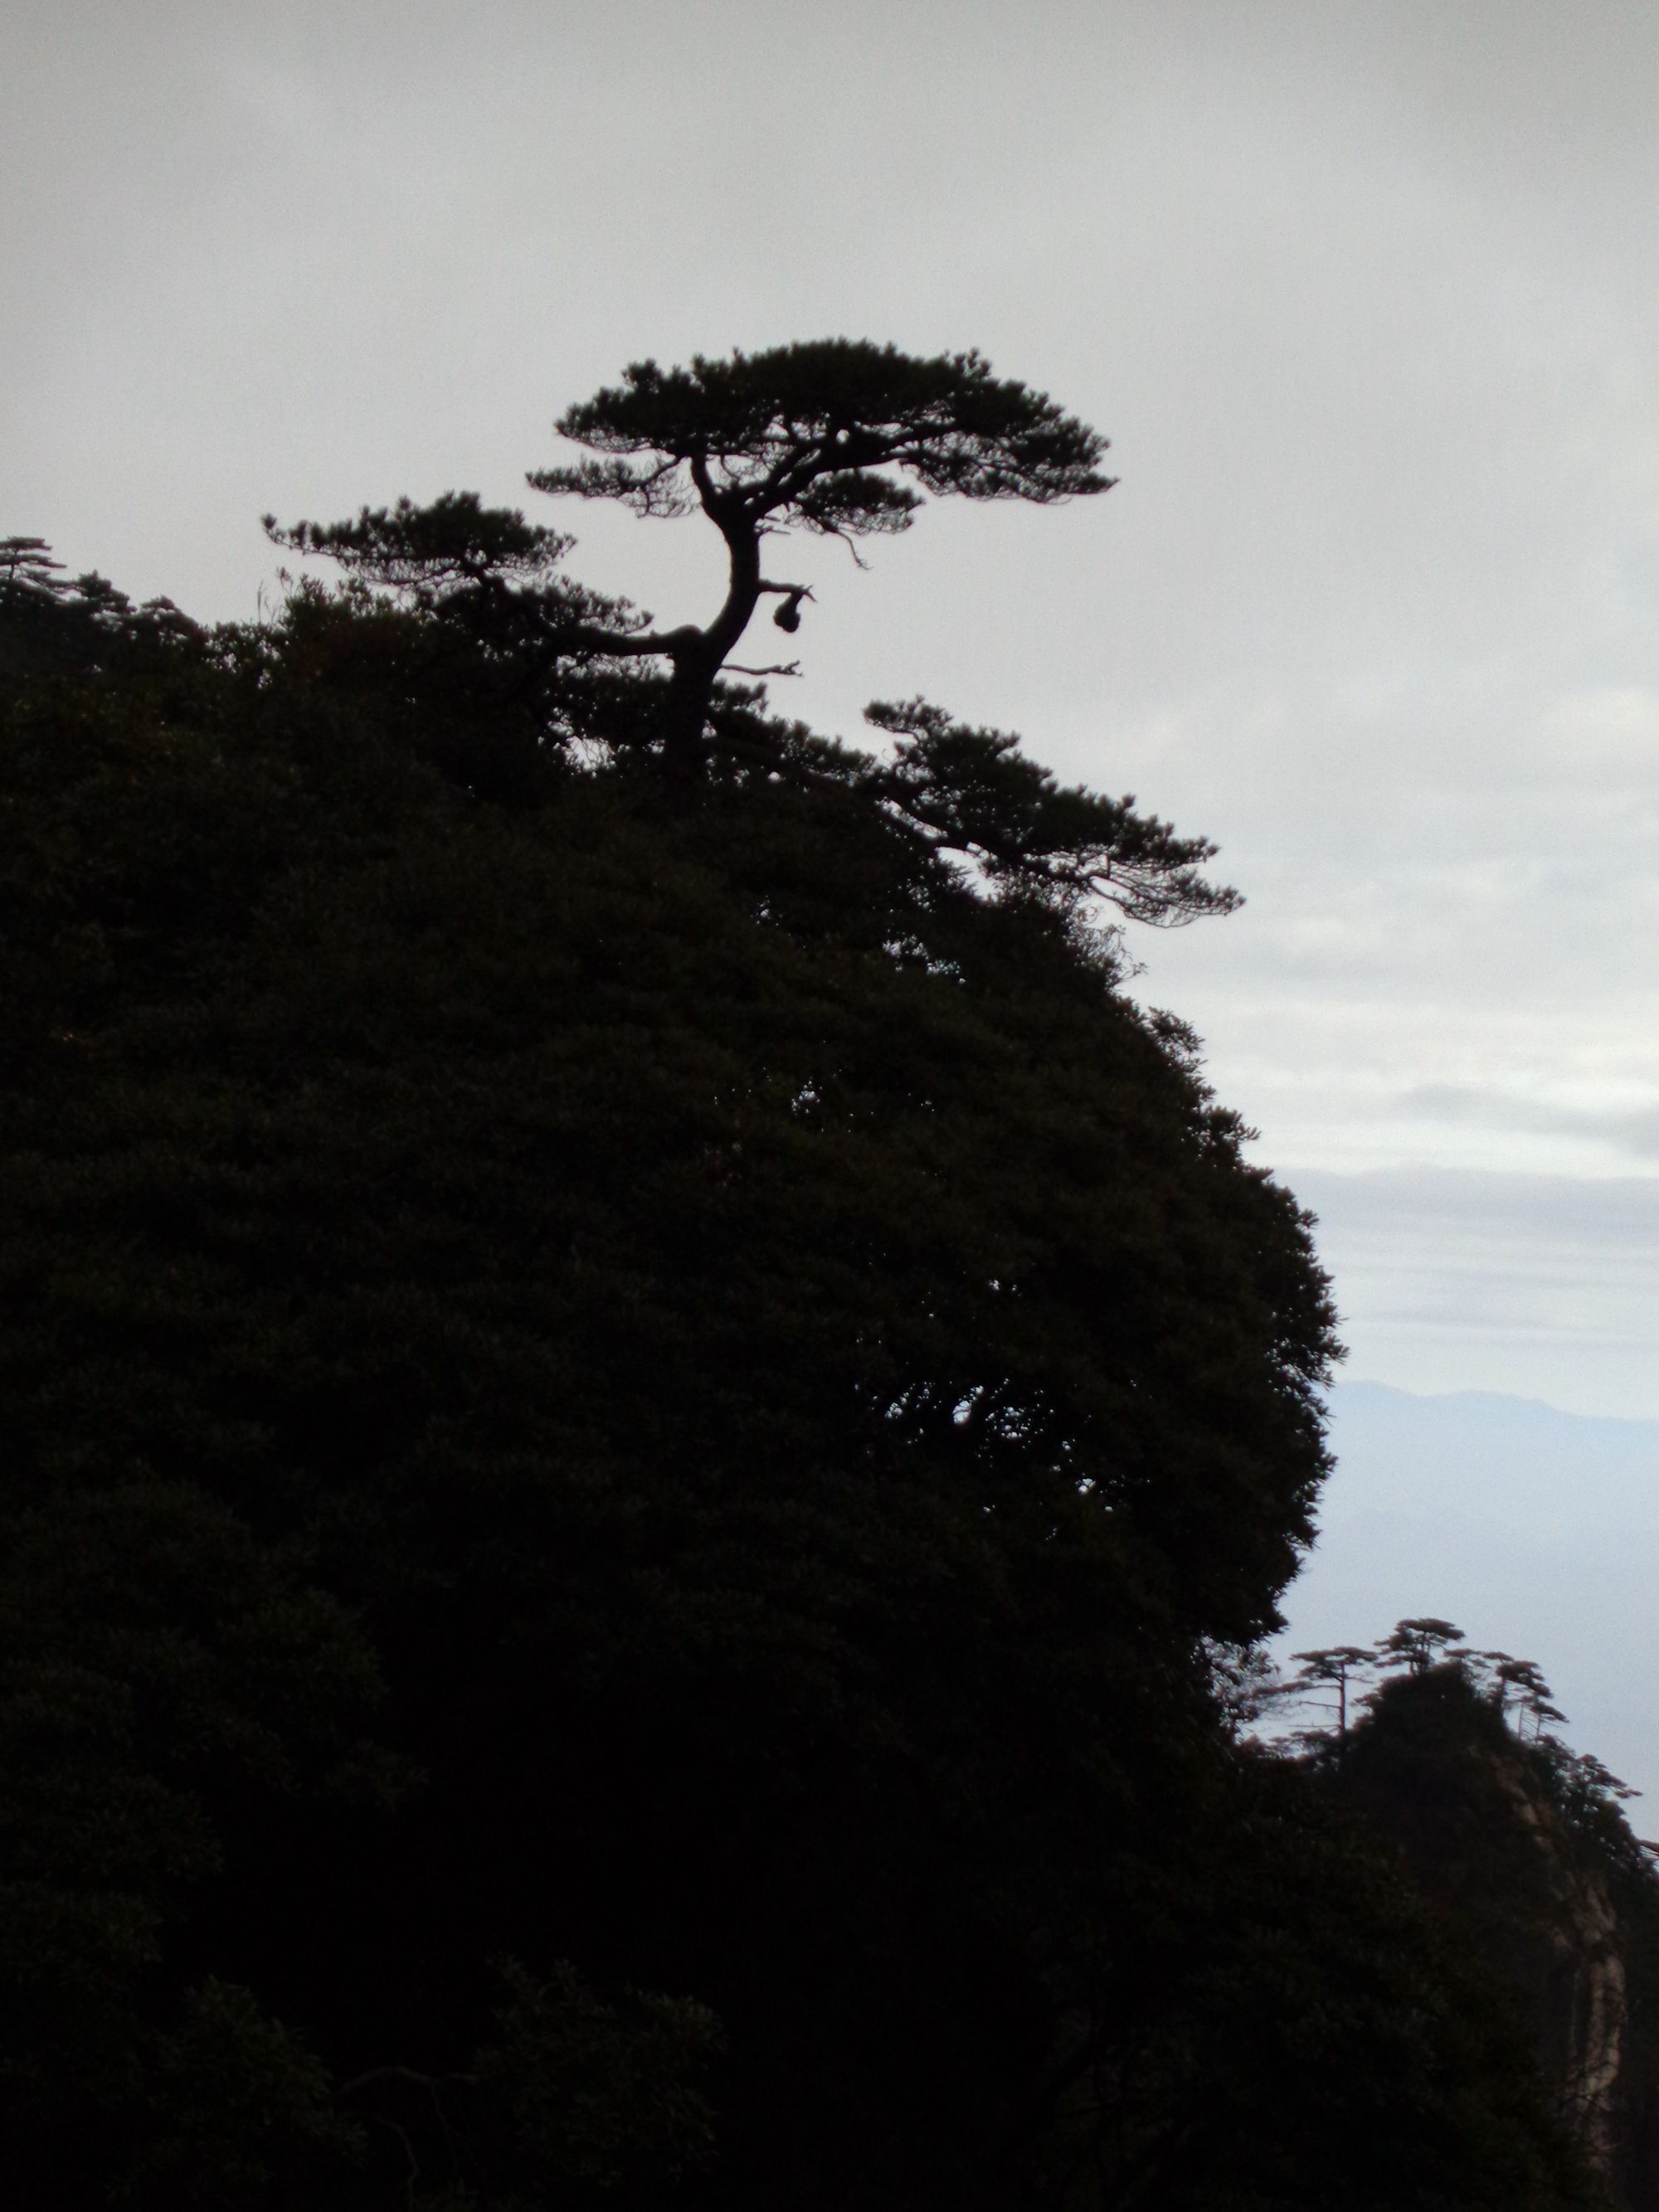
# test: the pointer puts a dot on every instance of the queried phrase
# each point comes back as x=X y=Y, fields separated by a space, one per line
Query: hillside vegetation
x=638 y=1412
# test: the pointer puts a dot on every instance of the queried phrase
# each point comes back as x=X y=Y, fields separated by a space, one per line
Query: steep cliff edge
x=1524 y=1852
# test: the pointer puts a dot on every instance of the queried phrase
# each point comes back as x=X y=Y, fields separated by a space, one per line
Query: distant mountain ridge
x=1536 y=1530
x=1474 y=1451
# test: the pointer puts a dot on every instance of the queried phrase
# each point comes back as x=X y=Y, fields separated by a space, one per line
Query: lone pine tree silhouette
x=819 y=437
x=832 y=437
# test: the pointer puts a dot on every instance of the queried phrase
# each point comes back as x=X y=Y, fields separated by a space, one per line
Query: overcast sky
x=1366 y=297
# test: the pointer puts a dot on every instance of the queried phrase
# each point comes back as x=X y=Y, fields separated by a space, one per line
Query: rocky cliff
x=1524 y=1852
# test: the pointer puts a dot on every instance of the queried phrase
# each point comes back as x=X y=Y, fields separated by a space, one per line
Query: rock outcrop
x=1487 y=1832
x=1565 y=1953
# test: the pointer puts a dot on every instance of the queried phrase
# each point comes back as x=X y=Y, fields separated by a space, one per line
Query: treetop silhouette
x=804 y=433
x=832 y=437
x=821 y=437
x=1420 y=1643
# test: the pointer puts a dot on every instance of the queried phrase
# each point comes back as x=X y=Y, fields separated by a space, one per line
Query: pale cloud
x=1609 y=727
x=1631 y=1129
x=1451 y=1278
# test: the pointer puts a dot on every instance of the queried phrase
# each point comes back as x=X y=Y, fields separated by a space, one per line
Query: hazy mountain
x=1536 y=1531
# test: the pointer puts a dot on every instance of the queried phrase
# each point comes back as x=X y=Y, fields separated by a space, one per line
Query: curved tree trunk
x=702 y=655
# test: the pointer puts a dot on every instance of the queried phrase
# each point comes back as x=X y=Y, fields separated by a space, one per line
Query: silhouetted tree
x=1508 y=1681
x=27 y=565
x=821 y=437
x=1332 y=1667
x=1417 y=1645
x=832 y=438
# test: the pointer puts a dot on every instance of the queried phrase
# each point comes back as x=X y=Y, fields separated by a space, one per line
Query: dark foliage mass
x=631 y=1415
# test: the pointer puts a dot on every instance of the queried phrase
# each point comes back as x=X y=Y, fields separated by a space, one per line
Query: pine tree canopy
x=822 y=435
x=831 y=438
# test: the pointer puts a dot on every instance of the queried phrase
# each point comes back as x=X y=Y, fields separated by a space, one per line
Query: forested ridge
x=643 y=1416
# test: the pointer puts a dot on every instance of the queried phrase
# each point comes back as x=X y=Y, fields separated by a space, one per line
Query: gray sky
x=1367 y=298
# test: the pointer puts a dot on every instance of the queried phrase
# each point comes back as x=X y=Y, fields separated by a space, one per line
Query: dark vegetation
x=641 y=1414
x=1521 y=1848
